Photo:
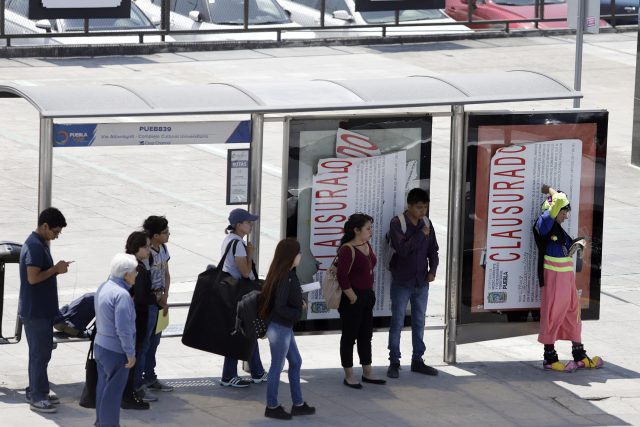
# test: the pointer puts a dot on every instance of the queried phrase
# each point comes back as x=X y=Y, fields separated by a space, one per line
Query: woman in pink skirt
x=559 y=307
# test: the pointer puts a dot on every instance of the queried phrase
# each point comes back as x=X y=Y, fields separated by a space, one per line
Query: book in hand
x=577 y=245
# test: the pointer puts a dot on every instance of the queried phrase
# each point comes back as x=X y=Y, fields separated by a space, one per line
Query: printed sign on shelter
x=119 y=134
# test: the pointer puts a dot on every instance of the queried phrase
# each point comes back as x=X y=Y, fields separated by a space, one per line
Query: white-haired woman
x=115 y=342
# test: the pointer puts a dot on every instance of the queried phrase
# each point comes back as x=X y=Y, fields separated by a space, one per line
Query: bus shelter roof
x=111 y=100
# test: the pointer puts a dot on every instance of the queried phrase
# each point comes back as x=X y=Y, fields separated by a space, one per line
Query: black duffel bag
x=212 y=313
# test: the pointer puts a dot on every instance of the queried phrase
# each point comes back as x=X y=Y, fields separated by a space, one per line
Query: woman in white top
x=239 y=264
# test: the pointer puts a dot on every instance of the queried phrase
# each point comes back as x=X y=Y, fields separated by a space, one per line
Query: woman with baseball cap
x=240 y=265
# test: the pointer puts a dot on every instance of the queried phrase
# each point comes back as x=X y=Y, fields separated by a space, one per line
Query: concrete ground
x=106 y=192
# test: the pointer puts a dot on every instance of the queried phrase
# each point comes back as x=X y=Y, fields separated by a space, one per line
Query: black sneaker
x=303 y=409
x=143 y=394
x=52 y=398
x=278 y=413
x=133 y=401
x=419 y=366
x=43 y=406
x=394 y=370
x=237 y=382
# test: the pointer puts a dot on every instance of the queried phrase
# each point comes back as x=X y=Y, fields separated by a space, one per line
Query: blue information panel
x=165 y=133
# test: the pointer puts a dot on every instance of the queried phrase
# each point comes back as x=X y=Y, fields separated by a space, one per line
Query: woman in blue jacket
x=115 y=342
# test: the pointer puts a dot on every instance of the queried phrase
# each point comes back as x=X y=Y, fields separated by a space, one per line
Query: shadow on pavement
x=515 y=393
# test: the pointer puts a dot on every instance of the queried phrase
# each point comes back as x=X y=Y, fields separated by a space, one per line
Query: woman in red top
x=356 y=262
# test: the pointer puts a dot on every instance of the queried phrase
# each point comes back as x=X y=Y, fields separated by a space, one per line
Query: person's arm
x=143 y=294
x=433 y=256
x=544 y=223
x=372 y=256
x=346 y=258
x=548 y=190
x=36 y=275
x=243 y=258
x=167 y=281
x=125 y=325
x=281 y=302
x=345 y=261
x=401 y=243
x=165 y=296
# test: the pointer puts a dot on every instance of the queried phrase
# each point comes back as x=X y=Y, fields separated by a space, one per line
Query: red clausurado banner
x=510 y=156
x=516 y=175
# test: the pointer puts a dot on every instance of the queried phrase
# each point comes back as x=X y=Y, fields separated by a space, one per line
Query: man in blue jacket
x=38 y=305
x=413 y=267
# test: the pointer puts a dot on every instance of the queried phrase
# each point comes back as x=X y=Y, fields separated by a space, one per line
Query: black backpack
x=248 y=323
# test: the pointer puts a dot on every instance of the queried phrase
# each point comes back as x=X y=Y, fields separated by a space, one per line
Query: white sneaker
x=261 y=379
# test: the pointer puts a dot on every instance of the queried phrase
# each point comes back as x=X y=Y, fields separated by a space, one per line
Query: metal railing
x=61 y=338
x=166 y=30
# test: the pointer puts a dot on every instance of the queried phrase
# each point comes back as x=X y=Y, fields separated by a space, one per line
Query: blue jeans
x=39 y=334
x=282 y=343
x=400 y=297
x=112 y=378
x=230 y=366
x=146 y=355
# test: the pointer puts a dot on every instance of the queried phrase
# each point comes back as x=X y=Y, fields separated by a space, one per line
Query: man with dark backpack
x=413 y=266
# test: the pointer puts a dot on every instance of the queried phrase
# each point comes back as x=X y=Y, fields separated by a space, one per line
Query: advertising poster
x=509 y=157
x=517 y=172
x=337 y=167
x=374 y=185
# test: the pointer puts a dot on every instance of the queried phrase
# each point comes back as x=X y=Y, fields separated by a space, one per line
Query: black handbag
x=88 y=397
x=212 y=313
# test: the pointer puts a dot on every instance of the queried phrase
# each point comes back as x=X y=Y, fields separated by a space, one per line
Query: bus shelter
x=282 y=98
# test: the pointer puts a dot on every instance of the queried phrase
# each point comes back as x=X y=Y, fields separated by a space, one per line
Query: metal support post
x=165 y=15
x=255 y=190
x=245 y=14
x=323 y=10
x=455 y=232
x=2 y=269
x=2 y=5
x=577 y=80
x=284 y=206
x=46 y=164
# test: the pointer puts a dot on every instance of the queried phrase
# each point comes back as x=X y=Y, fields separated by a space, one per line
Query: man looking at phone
x=38 y=305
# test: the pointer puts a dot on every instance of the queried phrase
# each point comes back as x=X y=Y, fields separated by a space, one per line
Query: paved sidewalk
x=105 y=193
